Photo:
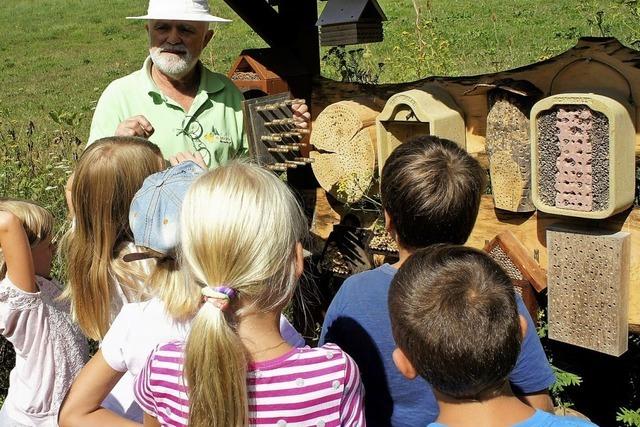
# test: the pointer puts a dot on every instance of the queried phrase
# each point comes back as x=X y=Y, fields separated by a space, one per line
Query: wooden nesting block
x=509 y=151
x=588 y=278
x=344 y=143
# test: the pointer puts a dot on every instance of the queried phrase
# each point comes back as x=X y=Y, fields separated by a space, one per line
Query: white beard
x=171 y=64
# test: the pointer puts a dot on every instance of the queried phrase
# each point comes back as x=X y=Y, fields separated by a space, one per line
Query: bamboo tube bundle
x=344 y=140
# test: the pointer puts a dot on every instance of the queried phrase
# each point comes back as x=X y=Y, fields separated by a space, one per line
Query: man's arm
x=108 y=120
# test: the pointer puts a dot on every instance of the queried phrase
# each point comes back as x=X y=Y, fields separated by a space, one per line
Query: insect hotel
x=558 y=138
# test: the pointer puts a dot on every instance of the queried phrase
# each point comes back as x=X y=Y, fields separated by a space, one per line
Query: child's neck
x=260 y=334
x=403 y=255
x=503 y=410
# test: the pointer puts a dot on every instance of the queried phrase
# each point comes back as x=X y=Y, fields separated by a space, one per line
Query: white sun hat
x=180 y=10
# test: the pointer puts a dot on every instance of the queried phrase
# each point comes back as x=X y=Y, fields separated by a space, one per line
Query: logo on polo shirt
x=214 y=136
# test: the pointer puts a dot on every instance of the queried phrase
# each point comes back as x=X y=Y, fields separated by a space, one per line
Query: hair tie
x=219 y=296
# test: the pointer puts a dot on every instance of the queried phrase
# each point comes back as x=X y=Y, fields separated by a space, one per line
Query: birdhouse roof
x=350 y=11
x=268 y=63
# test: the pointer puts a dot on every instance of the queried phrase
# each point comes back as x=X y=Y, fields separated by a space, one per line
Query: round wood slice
x=343 y=141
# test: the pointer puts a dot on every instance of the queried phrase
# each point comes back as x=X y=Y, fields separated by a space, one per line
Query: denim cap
x=154 y=215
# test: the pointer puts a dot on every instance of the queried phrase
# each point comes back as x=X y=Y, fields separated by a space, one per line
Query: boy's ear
x=388 y=225
x=299 y=259
x=524 y=326
x=403 y=364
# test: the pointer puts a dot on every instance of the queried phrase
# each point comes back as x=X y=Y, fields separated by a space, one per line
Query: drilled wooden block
x=588 y=288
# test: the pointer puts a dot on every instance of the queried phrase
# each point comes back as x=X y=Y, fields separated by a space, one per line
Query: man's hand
x=186 y=156
x=301 y=115
x=135 y=126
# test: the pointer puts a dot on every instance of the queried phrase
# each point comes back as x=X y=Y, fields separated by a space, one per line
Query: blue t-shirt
x=544 y=419
x=358 y=321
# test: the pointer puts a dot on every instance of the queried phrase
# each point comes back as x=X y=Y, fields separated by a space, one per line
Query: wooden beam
x=263 y=19
x=300 y=17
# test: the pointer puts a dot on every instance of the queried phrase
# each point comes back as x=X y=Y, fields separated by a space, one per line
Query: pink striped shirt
x=304 y=387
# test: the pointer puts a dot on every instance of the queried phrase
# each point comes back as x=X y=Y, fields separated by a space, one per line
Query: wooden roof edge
x=277 y=61
x=335 y=11
x=608 y=46
x=518 y=254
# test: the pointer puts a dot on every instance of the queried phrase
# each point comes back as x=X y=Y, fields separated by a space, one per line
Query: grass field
x=58 y=56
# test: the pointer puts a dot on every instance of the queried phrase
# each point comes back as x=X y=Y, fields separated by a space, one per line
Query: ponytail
x=215 y=370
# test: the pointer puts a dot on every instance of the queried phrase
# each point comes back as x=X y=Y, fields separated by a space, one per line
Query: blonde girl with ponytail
x=241 y=229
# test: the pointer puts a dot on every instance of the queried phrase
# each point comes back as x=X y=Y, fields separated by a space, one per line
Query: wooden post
x=300 y=17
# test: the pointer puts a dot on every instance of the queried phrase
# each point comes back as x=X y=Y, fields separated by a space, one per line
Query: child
x=455 y=321
x=153 y=219
x=106 y=177
x=240 y=238
x=50 y=349
x=431 y=192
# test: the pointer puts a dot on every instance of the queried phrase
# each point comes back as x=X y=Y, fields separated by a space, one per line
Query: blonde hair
x=239 y=228
x=106 y=178
x=36 y=221
x=181 y=297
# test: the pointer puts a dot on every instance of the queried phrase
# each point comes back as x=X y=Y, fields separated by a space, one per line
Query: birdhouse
x=260 y=72
x=345 y=22
x=430 y=111
x=582 y=154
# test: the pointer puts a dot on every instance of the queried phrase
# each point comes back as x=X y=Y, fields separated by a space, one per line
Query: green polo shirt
x=213 y=126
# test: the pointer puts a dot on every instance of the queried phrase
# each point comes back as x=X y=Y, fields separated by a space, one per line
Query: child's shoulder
x=327 y=354
x=16 y=298
x=170 y=347
x=331 y=351
x=377 y=277
x=545 y=419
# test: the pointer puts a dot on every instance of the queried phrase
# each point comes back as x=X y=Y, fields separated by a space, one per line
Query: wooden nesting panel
x=588 y=276
x=509 y=151
x=274 y=140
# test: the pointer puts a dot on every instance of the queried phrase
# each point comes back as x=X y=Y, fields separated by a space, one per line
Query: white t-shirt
x=50 y=350
x=135 y=332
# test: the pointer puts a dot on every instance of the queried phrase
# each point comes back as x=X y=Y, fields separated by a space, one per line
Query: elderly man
x=174 y=100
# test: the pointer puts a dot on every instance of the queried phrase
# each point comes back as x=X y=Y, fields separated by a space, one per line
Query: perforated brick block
x=582 y=155
x=588 y=288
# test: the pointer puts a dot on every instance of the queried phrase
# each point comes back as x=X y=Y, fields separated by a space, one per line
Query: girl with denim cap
x=241 y=230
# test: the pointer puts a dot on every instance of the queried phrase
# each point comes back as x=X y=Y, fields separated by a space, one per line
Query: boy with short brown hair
x=455 y=320
x=431 y=191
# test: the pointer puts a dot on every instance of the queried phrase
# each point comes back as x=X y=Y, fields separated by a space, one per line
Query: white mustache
x=178 y=48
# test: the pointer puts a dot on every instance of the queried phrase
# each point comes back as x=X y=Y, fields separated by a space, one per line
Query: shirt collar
x=209 y=82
